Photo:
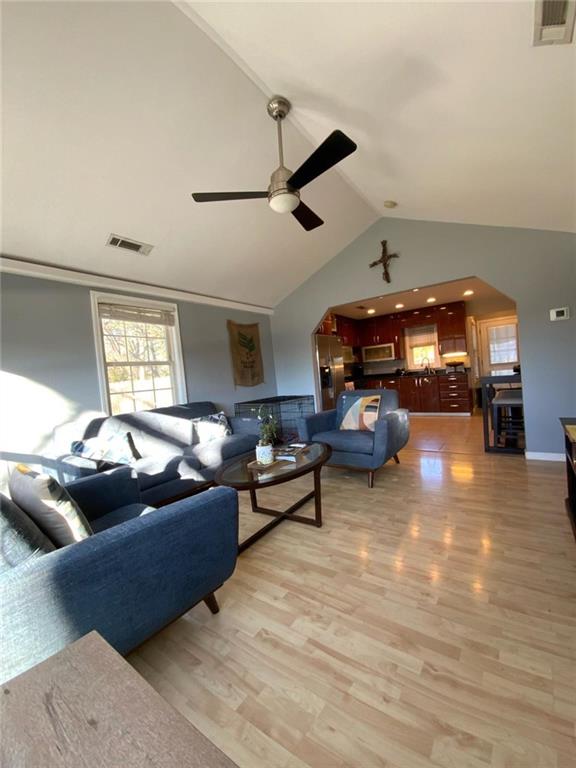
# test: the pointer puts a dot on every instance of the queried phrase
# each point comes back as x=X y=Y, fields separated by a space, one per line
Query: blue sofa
x=360 y=449
x=141 y=569
x=172 y=464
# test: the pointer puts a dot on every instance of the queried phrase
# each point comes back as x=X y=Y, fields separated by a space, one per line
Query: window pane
x=164 y=397
x=113 y=327
x=144 y=400
x=142 y=377
x=135 y=329
x=119 y=379
x=123 y=403
x=162 y=378
x=115 y=349
x=137 y=349
x=502 y=344
x=158 y=349
x=155 y=331
x=423 y=355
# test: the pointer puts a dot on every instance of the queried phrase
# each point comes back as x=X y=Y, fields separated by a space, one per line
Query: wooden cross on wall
x=385 y=261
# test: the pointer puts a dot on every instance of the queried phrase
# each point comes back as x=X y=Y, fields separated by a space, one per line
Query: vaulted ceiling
x=114 y=112
x=457 y=115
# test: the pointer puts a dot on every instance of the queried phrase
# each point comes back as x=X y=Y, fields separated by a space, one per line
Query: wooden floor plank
x=430 y=622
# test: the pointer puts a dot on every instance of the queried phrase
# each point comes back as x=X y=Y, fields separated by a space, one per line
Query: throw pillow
x=21 y=538
x=49 y=505
x=362 y=414
x=211 y=427
x=117 y=448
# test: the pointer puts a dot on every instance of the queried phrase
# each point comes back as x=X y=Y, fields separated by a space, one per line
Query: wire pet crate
x=286 y=411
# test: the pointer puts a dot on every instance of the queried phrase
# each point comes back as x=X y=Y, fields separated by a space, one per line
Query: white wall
x=537 y=269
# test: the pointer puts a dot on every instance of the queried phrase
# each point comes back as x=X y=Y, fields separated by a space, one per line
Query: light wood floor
x=430 y=622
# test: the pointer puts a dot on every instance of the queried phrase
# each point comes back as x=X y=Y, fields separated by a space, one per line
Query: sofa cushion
x=158 y=470
x=115 y=448
x=214 y=452
x=347 y=440
x=361 y=414
x=158 y=495
x=153 y=432
x=20 y=537
x=49 y=505
x=211 y=427
x=120 y=515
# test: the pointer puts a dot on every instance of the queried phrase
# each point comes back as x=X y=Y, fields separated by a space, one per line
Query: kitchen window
x=139 y=353
x=421 y=347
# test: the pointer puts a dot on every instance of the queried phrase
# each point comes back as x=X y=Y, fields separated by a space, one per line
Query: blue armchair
x=360 y=449
x=140 y=570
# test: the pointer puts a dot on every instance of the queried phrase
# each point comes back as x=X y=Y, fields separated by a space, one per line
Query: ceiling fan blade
x=333 y=149
x=306 y=217
x=211 y=197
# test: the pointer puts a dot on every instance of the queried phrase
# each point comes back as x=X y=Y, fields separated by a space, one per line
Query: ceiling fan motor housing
x=282 y=198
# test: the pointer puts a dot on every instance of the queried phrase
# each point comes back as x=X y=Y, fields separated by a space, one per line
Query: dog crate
x=285 y=410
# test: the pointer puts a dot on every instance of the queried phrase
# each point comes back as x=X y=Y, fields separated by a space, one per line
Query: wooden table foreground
x=86 y=707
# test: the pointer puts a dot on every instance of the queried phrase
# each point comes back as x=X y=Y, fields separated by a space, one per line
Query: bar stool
x=507 y=416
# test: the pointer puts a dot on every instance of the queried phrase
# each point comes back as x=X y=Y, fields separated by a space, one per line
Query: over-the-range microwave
x=378 y=353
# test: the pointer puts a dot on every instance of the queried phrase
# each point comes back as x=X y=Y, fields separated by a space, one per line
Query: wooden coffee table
x=236 y=474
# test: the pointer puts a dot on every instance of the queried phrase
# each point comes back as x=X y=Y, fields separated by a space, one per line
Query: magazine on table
x=289 y=452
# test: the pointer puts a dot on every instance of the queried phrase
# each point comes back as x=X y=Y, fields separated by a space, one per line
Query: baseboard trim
x=544 y=456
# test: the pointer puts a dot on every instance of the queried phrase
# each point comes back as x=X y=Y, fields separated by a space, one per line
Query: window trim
x=97 y=297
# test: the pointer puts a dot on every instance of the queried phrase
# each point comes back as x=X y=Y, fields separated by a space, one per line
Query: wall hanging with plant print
x=246 y=353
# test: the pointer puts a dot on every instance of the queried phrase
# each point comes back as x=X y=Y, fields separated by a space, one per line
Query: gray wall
x=535 y=268
x=47 y=341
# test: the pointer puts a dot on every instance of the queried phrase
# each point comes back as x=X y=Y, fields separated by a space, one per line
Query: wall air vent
x=116 y=241
x=554 y=22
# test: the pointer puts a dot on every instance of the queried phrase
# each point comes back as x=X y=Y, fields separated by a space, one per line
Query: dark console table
x=513 y=430
x=570 y=442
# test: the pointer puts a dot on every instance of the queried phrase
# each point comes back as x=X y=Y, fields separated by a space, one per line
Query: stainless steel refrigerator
x=330 y=363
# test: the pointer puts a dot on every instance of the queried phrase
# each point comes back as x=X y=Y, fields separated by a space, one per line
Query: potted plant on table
x=268 y=436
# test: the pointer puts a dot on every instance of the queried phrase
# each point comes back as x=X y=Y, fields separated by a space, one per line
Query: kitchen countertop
x=440 y=372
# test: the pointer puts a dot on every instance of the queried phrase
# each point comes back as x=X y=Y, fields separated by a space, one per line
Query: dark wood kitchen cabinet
x=420 y=394
x=451 y=327
x=384 y=329
x=347 y=329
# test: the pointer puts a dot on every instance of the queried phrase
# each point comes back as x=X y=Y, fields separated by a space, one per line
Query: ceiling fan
x=283 y=192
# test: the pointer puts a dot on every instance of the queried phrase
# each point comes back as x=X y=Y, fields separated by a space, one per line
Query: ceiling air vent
x=129 y=245
x=554 y=22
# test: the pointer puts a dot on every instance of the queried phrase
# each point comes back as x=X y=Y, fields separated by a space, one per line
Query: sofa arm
x=244 y=425
x=308 y=426
x=103 y=493
x=390 y=435
x=126 y=582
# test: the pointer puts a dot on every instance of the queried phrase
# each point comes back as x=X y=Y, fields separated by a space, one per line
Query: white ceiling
x=113 y=113
x=484 y=300
x=457 y=116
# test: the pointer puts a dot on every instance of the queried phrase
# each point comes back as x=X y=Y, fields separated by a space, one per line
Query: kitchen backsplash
x=388 y=366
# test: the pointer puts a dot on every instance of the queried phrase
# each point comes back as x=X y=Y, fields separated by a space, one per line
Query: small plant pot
x=264 y=454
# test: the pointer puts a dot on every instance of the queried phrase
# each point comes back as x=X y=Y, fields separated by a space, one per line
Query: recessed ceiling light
x=399 y=306
x=431 y=300
x=415 y=290
x=468 y=293
x=370 y=311
x=390 y=203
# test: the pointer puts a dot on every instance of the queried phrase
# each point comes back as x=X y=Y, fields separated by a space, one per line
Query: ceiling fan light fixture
x=284 y=202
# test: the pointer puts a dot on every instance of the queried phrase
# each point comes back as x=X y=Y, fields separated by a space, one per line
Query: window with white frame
x=500 y=348
x=421 y=346
x=140 y=356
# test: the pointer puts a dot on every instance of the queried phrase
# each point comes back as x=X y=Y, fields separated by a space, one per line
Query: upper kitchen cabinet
x=451 y=327
x=348 y=330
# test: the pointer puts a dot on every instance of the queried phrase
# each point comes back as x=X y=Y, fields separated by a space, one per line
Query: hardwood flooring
x=430 y=622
